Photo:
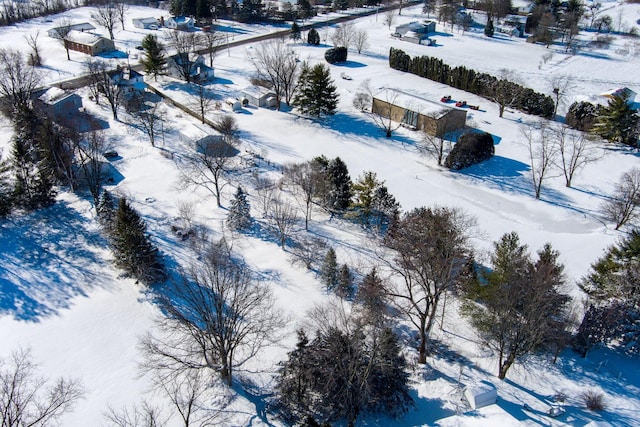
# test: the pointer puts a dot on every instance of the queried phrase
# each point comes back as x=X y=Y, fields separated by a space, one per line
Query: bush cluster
x=469 y=80
x=335 y=55
x=470 y=149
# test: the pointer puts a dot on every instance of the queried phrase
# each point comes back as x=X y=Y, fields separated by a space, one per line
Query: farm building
x=58 y=32
x=414 y=112
x=90 y=44
x=146 y=23
x=424 y=27
x=258 y=96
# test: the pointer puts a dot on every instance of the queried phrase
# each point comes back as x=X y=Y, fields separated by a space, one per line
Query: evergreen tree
x=316 y=94
x=489 y=29
x=6 y=189
x=305 y=8
x=239 y=216
x=371 y=295
x=133 y=250
x=295 y=31
x=344 y=287
x=154 y=59
x=33 y=184
x=618 y=122
x=251 y=11
x=106 y=211
x=313 y=38
x=339 y=195
x=329 y=270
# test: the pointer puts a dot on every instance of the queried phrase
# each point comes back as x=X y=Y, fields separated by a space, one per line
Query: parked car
x=445 y=98
x=461 y=104
x=111 y=154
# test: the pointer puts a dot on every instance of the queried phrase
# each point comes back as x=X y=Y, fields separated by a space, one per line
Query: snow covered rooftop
x=413 y=102
x=83 y=38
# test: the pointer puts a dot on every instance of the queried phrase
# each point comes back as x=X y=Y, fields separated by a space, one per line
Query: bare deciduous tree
x=121 y=10
x=28 y=399
x=437 y=146
x=382 y=108
x=560 y=85
x=575 y=150
x=361 y=40
x=265 y=193
x=207 y=168
x=106 y=15
x=88 y=152
x=202 y=99
x=621 y=208
x=431 y=258
x=184 y=43
x=136 y=416
x=284 y=219
x=35 y=58
x=150 y=118
x=227 y=125
x=62 y=29
x=217 y=318
x=276 y=63
x=210 y=41
x=344 y=35
x=306 y=180
x=390 y=18
x=543 y=151
x=101 y=83
x=18 y=81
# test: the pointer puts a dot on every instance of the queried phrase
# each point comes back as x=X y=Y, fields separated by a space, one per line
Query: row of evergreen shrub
x=469 y=80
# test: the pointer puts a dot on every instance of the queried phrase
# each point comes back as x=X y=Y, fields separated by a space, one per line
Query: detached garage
x=481 y=394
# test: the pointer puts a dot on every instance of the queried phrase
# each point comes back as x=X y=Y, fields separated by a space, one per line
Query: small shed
x=234 y=104
x=481 y=394
x=258 y=96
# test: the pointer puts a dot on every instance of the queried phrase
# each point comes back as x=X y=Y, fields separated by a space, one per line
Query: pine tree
x=295 y=32
x=371 y=296
x=344 y=287
x=33 y=185
x=489 y=29
x=154 y=59
x=340 y=193
x=329 y=270
x=106 y=211
x=618 y=122
x=239 y=216
x=133 y=251
x=313 y=38
x=6 y=189
x=316 y=94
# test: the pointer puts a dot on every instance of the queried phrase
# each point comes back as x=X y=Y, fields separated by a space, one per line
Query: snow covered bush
x=470 y=149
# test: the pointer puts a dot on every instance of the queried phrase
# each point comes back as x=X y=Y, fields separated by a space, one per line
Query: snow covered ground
x=61 y=297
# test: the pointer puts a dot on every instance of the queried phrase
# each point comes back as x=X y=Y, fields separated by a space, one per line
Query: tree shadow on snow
x=355 y=127
x=48 y=258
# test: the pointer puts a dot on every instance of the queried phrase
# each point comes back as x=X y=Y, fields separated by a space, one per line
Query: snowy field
x=61 y=296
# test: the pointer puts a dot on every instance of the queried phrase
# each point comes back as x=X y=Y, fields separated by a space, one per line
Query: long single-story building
x=90 y=44
x=59 y=32
x=415 y=112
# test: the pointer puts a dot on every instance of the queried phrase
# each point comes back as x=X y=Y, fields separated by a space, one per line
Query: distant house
x=414 y=112
x=57 y=32
x=258 y=96
x=146 y=23
x=621 y=92
x=424 y=27
x=91 y=44
x=513 y=25
x=193 y=64
x=129 y=80
x=59 y=105
x=182 y=23
x=205 y=139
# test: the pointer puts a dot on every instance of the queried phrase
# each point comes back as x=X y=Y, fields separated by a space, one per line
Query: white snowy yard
x=61 y=296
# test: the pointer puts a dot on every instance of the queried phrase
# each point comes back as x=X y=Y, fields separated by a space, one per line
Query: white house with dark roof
x=129 y=80
x=182 y=23
x=146 y=23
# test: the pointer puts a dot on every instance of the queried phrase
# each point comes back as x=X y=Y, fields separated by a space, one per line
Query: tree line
x=500 y=90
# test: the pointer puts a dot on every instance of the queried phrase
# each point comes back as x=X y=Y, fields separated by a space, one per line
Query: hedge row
x=469 y=80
